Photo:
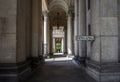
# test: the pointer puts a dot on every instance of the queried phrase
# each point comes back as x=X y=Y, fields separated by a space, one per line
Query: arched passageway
x=60 y=71
x=32 y=30
x=58 y=23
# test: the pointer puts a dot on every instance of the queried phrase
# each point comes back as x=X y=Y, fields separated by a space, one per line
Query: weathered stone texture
x=104 y=24
x=109 y=49
x=24 y=30
x=108 y=8
x=8 y=8
x=95 y=53
x=109 y=26
x=8 y=31
x=8 y=48
x=104 y=54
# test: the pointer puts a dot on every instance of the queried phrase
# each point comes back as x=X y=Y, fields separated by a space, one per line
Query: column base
x=76 y=57
x=37 y=61
x=45 y=55
x=81 y=60
x=50 y=55
x=65 y=53
x=105 y=72
x=14 y=72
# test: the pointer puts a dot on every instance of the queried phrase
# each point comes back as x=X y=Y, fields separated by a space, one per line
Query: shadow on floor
x=60 y=71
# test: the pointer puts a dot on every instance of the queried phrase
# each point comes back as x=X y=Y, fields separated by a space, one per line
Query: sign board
x=85 y=37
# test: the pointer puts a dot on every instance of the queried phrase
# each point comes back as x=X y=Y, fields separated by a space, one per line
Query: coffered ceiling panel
x=58 y=11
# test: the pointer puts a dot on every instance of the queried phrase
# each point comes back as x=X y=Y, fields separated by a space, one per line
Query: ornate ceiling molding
x=44 y=6
x=58 y=3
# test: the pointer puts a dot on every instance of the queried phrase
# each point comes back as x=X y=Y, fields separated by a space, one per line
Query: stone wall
x=103 y=64
x=8 y=31
x=15 y=27
x=118 y=7
x=14 y=36
x=23 y=30
x=104 y=26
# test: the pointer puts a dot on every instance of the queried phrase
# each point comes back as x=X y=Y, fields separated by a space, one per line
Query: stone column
x=8 y=26
x=103 y=61
x=40 y=31
x=45 y=34
x=51 y=41
x=13 y=47
x=48 y=35
x=76 y=49
x=36 y=34
x=69 y=34
x=42 y=36
x=65 y=40
x=118 y=7
x=23 y=29
x=82 y=26
x=54 y=45
x=88 y=33
x=62 y=45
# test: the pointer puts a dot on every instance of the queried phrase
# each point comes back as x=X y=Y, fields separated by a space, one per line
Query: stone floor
x=60 y=71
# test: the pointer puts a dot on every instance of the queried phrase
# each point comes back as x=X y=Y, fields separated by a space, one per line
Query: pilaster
x=36 y=57
x=104 y=61
x=45 y=34
x=76 y=49
x=81 y=28
x=69 y=33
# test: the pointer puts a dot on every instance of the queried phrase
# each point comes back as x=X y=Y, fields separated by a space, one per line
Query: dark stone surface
x=118 y=5
x=13 y=68
x=104 y=67
x=36 y=61
x=104 y=72
x=80 y=60
x=14 y=72
x=60 y=71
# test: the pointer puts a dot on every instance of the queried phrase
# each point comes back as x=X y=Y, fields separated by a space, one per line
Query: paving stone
x=60 y=71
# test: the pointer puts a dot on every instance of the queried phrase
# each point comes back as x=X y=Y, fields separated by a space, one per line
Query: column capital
x=45 y=14
x=69 y=14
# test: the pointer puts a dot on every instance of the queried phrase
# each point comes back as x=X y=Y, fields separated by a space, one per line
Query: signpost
x=79 y=37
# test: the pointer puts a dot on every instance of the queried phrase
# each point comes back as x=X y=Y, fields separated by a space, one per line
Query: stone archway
x=58 y=3
x=55 y=7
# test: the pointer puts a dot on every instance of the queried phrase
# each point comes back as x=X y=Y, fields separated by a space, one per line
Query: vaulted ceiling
x=58 y=10
x=67 y=1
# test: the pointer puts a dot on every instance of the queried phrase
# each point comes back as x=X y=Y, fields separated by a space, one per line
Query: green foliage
x=58 y=47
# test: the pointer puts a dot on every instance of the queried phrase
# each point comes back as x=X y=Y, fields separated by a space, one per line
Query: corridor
x=32 y=30
x=60 y=71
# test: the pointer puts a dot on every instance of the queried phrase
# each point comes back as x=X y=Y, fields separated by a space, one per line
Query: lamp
x=57 y=21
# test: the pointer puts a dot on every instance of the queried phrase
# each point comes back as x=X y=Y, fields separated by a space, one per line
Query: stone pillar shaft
x=76 y=51
x=36 y=33
x=62 y=45
x=14 y=35
x=54 y=45
x=88 y=49
x=69 y=34
x=40 y=32
x=48 y=36
x=103 y=62
x=51 y=40
x=65 y=40
x=35 y=26
x=82 y=26
x=45 y=34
